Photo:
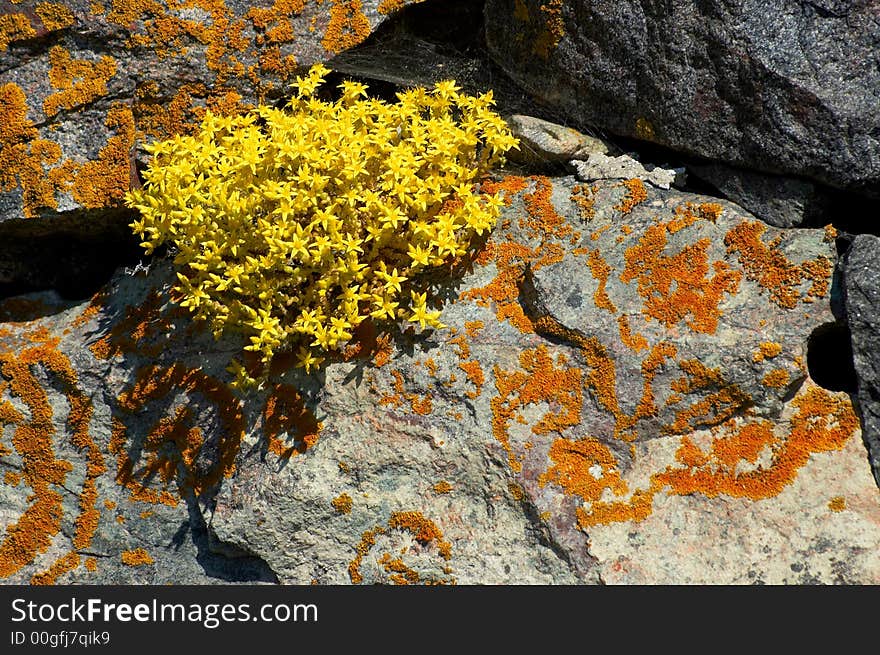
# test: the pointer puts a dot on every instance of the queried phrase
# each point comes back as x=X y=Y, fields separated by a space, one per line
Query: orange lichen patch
x=602 y=377
x=79 y=81
x=41 y=470
x=831 y=233
x=584 y=196
x=422 y=529
x=147 y=513
x=766 y=350
x=62 y=565
x=422 y=406
x=472 y=328
x=383 y=351
x=776 y=378
x=541 y=381
x=142 y=323
x=723 y=400
x=637 y=508
x=342 y=504
x=171 y=448
x=14 y=27
x=104 y=182
x=285 y=412
x=635 y=342
x=11 y=478
x=553 y=30
x=442 y=487
x=600 y=271
x=348 y=26
x=509 y=184
x=136 y=557
x=636 y=193
x=23 y=155
x=679 y=288
x=91 y=564
x=837 y=504
x=120 y=519
x=165 y=119
x=769 y=267
x=474 y=372
x=543 y=220
x=96 y=304
x=431 y=366
x=55 y=16
x=464 y=348
x=391 y=6
x=584 y=468
x=823 y=423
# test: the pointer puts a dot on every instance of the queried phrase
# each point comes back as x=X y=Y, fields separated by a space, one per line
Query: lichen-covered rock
x=861 y=274
x=84 y=83
x=623 y=368
x=785 y=87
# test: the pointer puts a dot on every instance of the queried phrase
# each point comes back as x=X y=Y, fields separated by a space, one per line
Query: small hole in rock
x=830 y=358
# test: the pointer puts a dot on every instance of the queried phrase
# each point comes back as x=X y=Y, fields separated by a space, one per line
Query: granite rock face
x=861 y=272
x=788 y=87
x=623 y=368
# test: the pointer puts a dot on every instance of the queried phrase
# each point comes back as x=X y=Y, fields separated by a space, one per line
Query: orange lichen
x=422 y=529
x=635 y=342
x=419 y=405
x=170 y=449
x=342 y=504
x=678 y=288
x=55 y=16
x=584 y=468
x=823 y=423
x=24 y=156
x=348 y=26
x=34 y=530
x=14 y=27
x=584 y=196
x=636 y=193
x=391 y=6
x=11 y=478
x=766 y=350
x=541 y=381
x=136 y=557
x=723 y=400
x=79 y=81
x=837 y=504
x=474 y=372
x=472 y=328
x=553 y=29
x=600 y=271
x=776 y=378
x=91 y=564
x=442 y=487
x=285 y=413
x=771 y=269
x=105 y=181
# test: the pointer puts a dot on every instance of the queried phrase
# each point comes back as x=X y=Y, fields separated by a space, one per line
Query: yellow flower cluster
x=295 y=225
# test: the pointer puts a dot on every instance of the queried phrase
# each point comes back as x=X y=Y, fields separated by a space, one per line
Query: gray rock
x=861 y=271
x=598 y=166
x=798 y=94
x=543 y=143
x=777 y=200
x=623 y=366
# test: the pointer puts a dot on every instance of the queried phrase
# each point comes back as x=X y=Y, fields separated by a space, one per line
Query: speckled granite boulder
x=789 y=87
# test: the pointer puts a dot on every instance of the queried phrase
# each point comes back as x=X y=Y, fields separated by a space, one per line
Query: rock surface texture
x=787 y=87
x=862 y=288
x=623 y=369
